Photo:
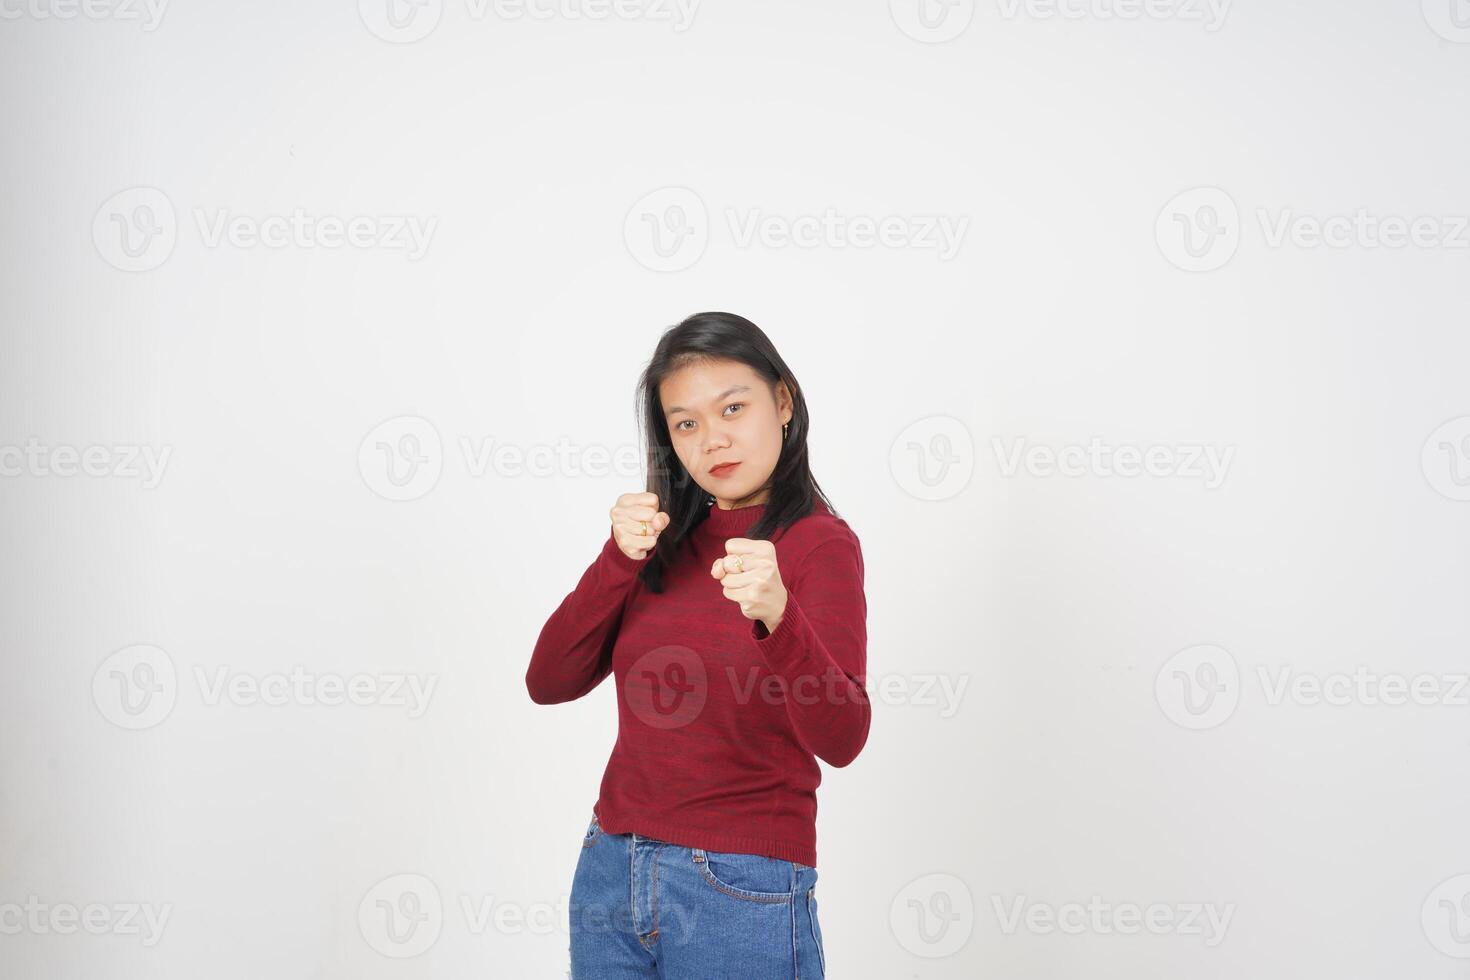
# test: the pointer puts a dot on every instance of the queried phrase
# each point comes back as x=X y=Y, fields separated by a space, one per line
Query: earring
x=783 y=429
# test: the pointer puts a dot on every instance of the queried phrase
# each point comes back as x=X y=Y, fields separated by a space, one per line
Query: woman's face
x=722 y=412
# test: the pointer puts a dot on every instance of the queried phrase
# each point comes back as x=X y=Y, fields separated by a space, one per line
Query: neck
x=752 y=500
x=732 y=522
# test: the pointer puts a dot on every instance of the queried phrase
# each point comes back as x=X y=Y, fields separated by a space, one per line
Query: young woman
x=727 y=601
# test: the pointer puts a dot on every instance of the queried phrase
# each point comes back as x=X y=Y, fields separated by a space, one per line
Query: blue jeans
x=645 y=908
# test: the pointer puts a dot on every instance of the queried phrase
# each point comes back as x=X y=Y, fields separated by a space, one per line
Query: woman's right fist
x=632 y=515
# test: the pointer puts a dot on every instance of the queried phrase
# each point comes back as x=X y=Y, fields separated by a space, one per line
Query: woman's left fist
x=758 y=588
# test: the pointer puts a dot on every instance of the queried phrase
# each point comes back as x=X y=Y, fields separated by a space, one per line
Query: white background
x=1332 y=833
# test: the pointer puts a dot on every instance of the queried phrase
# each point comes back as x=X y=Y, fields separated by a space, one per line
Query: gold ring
x=645 y=526
x=740 y=560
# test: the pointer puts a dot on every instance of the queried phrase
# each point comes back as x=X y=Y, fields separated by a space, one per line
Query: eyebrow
x=718 y=398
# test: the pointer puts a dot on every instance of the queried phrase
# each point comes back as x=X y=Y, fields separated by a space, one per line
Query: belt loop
x=696 y=855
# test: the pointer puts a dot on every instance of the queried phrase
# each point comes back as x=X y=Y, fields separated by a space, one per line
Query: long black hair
x=719 y=336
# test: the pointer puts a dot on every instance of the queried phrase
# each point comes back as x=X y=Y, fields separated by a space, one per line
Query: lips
x=724 y=469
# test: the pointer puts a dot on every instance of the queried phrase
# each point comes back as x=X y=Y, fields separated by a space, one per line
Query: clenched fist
x=750 y=577
x=636 y=523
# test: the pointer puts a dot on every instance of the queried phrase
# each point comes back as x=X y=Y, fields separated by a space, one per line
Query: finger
x=639 y=513
x=646 y=498
x=661 y=521
x=642 y=546
x=722 y=572
x=737 y=580
x=738 y=563
x=634 y=534
x=749 y=546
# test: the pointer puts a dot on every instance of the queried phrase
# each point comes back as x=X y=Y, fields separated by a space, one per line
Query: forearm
x=573 y=652
x=822 y=678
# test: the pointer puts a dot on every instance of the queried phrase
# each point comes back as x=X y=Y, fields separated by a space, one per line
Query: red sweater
x=720 y=723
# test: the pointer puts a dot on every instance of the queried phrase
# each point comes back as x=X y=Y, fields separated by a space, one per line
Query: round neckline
x=734 y=522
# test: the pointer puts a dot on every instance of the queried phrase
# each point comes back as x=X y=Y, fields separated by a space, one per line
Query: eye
x=680 y=426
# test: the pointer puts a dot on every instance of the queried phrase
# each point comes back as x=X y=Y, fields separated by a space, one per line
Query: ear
x=784 y=403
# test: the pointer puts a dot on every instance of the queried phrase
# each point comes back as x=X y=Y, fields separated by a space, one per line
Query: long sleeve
x=820 y=650
x=574 y=651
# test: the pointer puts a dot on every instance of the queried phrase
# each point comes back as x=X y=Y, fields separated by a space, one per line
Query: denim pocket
x=751 y=877
x=811 y=914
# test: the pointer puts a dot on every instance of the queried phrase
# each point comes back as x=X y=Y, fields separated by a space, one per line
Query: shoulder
x=820 y=537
